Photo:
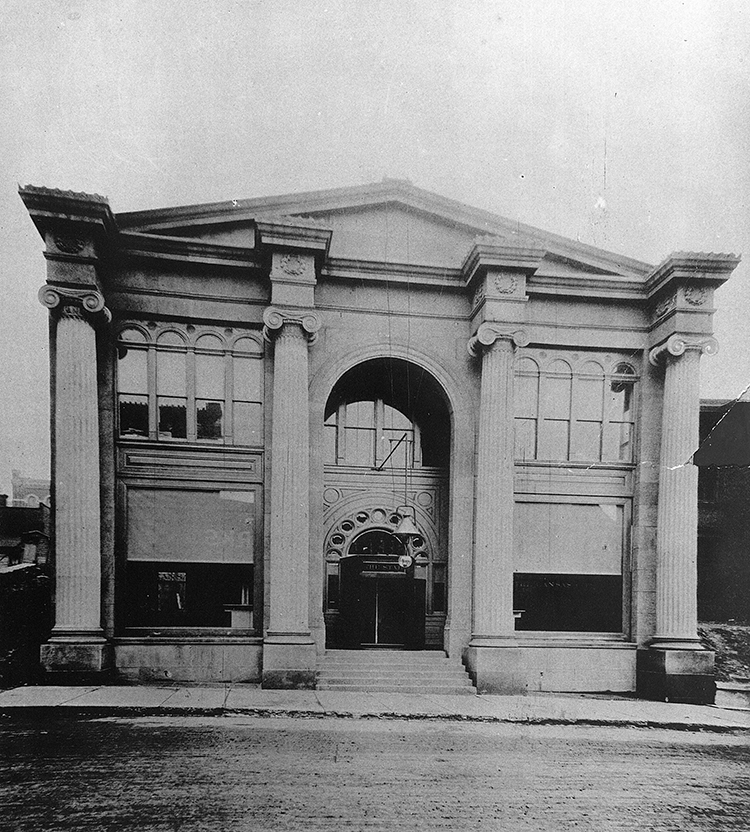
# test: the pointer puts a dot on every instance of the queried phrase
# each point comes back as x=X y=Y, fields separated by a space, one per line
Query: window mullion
x=153 y=415
x=341 y=435
x=228 y=398
x=379 y=454
x=191 y=423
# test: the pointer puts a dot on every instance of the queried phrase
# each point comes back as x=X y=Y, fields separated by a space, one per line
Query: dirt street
x=255 y=773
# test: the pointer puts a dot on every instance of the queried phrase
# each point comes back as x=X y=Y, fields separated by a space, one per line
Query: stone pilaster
x=491 y=661
x=77 y=644
x=289 y=656
x=677 y=667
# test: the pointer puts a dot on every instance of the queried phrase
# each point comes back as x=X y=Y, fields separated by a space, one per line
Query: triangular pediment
x=387 y=222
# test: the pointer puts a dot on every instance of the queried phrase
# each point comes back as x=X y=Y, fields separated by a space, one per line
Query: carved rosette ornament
x=292 y=264
x=666 y=305
x=505 y=284
x=488 y=333
x=679 y=344
x=696 y=295
x=84 y=301
x=275 y=319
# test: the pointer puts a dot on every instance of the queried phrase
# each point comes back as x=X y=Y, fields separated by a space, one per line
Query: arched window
x=170 y=388
x=578 y=412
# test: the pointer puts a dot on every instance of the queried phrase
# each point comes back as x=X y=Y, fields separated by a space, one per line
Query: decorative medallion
x=505 y=284
x=479 y=294
x=292 y=264
x=696 y=295
x=70 y=245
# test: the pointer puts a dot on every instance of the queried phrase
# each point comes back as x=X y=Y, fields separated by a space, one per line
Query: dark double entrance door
x=382 y=604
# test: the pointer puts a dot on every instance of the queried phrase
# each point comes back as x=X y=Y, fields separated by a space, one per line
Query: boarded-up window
x=184 y=526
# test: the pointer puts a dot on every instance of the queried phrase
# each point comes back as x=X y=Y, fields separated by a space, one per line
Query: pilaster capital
x=678 y=344
x=488 y=333
x=90 y=302
x=276 y=318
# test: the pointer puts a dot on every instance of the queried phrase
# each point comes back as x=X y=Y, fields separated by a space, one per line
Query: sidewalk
x=539 y=708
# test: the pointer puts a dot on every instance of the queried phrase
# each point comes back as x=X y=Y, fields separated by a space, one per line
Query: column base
x=76 y=660
x=289 y=662
x=676 y=675
x=496 y=668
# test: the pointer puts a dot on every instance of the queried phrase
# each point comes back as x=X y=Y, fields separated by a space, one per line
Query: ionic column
x=285 y=664
x=76 y=450
x=493 y=623
x=677 y=517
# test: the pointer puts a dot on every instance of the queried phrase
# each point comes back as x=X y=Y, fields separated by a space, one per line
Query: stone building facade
x=371 y=416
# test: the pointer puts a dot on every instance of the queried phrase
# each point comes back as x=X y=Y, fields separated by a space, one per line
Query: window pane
x=402 y=448
x=360 y=446
x=171 y=339
x=553 y=440
x=133 y=415
x=618 y=442
x=585 y=441
x=555 y=397
x=170 y=374
x=527 y=396
x=525 y=442
x=172 y=418
x=209 y=377
x=247 y=345
x=133 y=335
x=360 y=415
x=588 y=399
x=209 y=417
x=209 y=342
x=248 y=424
x=248 y=379
x=571 y=603
x=329 y=444
x=619 y=401
x=393 y=418
x=163 y=594
x=132 y=376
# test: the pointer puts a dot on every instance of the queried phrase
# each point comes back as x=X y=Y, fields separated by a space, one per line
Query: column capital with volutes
x=276 y=318
x=679 y=344
x=65 y=300
x=488 y=333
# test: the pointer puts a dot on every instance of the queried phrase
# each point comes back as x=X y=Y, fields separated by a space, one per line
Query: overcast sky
x=622 y=124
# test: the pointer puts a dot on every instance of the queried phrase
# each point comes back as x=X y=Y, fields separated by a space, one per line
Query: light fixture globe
x=406 y=527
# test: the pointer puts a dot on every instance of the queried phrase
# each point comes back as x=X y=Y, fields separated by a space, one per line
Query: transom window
x=371 y=433
x=187 y=384
x=578 y=411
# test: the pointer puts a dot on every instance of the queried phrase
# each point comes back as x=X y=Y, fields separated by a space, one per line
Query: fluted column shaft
x=677 y=523
x=493 y=531
x=677 y=517
x=77 y=509
x=290 y=487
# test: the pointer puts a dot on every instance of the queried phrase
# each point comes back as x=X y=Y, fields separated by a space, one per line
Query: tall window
x=176 y=383
x=581 y=413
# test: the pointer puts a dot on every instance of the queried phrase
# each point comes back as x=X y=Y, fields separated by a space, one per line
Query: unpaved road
x=262 y=773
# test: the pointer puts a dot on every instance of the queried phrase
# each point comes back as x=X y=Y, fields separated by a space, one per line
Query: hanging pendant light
x=406 y=526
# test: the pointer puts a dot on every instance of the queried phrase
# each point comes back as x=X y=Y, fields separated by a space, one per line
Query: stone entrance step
x=393 y=671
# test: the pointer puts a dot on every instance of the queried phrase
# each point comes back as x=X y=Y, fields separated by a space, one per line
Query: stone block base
x=669 y=675
x=71 y=662
x=289 y=665
x=160 y=660
x=496 y=669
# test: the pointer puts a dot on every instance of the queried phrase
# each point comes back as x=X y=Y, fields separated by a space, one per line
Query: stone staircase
x=393 y=671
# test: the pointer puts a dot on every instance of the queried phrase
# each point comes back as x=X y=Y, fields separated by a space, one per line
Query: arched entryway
x=386 y=447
